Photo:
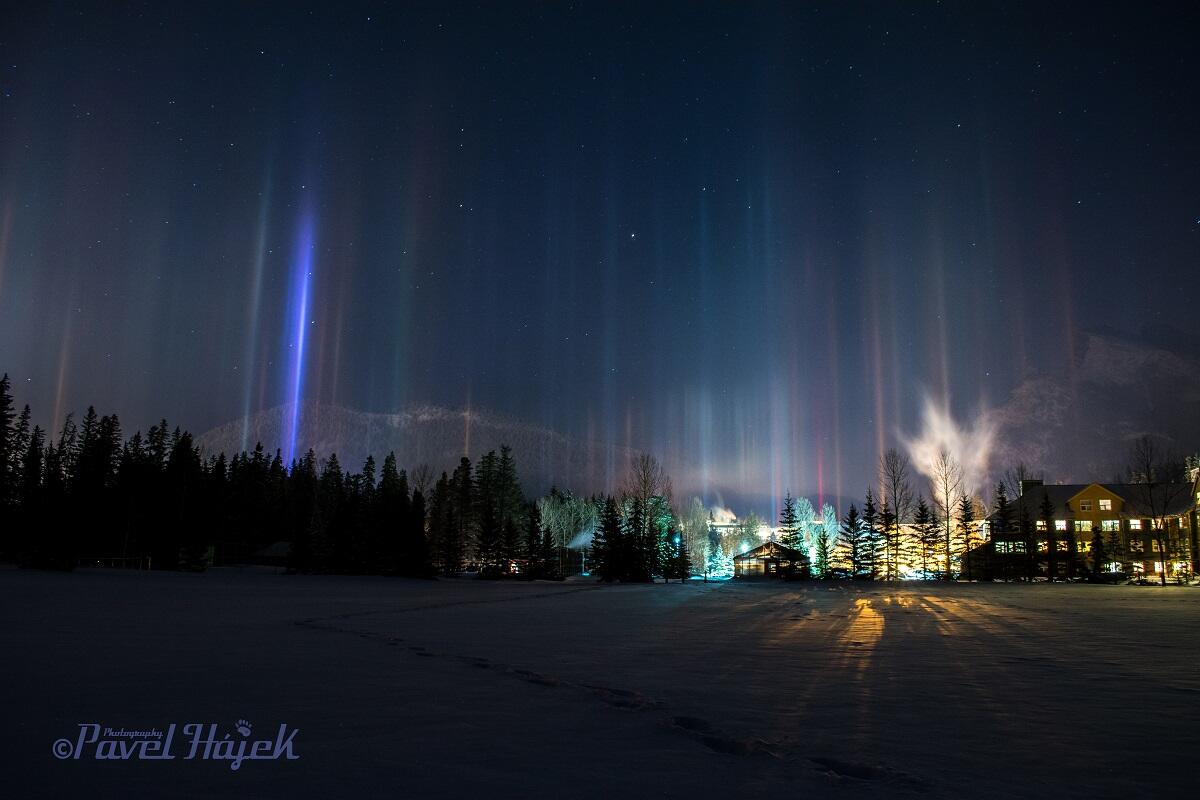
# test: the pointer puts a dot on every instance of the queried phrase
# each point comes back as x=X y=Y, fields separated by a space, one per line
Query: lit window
x=1111 y=525
x=1060 y=524
x=1042 y=546
x=1154 y=546
x=1085 y=505
x=1105 y=504
x=1062 y=546
x=1082 y=526
x=1083 y=546
x=1135 y=524
x=1018 y=547
x=1136 y=546
x=1041 y=524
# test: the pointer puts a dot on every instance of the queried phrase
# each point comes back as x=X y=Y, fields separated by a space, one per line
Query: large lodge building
x=1143 y=530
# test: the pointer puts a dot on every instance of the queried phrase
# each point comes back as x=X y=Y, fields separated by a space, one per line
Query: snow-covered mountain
x=1077 y=423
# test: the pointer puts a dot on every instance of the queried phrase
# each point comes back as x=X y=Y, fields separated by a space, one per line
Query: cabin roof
x=771 y=550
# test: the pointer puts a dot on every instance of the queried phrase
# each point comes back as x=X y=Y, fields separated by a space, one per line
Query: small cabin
x=770 y=560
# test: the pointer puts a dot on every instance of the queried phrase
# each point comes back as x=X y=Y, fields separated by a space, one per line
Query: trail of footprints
x=699 y=729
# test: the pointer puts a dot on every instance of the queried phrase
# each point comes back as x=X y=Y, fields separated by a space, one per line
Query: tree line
x=90 y=493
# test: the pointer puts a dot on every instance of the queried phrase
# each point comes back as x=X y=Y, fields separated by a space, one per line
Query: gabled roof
x=771 y=550
x=1181 y=496
x=1103 y=490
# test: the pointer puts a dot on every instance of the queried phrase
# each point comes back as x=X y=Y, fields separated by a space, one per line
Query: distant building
x=1123 y=514
x=770 y=560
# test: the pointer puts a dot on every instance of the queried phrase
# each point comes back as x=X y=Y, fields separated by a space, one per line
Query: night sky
x=751 y=239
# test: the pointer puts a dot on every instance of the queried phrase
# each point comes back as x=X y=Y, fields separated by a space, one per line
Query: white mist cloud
x=723 y=516
x=970 y=444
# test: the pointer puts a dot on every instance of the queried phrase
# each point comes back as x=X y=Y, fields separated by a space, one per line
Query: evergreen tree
x=488 y=541
x=392 y=518
x=821 y=549
x=1099 y=556
x=1046 y=510
x=8 y=461
x=637 y=555
x=927 y=535
x=416 y=546
x=789 y=524
x=683 y=562
x=1001 y=524
x=510 y=544
x=19 y=446
x=535 y=565
x=462 y=509
x=715 y=559
x=547 y=561
x=886 y=542
x=1029 y=535
x=966 y=528
x=851 y=535
x=608 y=545
x=871 y=538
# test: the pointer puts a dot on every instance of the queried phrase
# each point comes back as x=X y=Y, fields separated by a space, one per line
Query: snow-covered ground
x=442 y=689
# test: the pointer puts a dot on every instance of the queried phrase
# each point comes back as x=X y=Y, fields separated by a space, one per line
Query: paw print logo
x=243 y=727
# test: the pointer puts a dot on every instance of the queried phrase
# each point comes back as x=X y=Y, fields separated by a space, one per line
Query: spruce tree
x=416 y=546
x=534 y=563
x=607 y=543
x=1029 y=534
x=927 y=533
x=462 y=510
x=789 y=524
x=851 y=537
x=886 y=543
x=1001 y=524
x=683 y=562
x=871 y=538
x=637 y=556
x=966 y=526
x=1046 y=510
x=1099 y=556
x=821 y=553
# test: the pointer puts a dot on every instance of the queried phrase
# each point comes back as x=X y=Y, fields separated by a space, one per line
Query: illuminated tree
x=1159 y=486
x=896 y=504
x=946 y=479
x=821 y=554
x=694 y=529
x=825 y=542
x=966 y=529
x=789 y=524
x=805 y=522
x=927 y=534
